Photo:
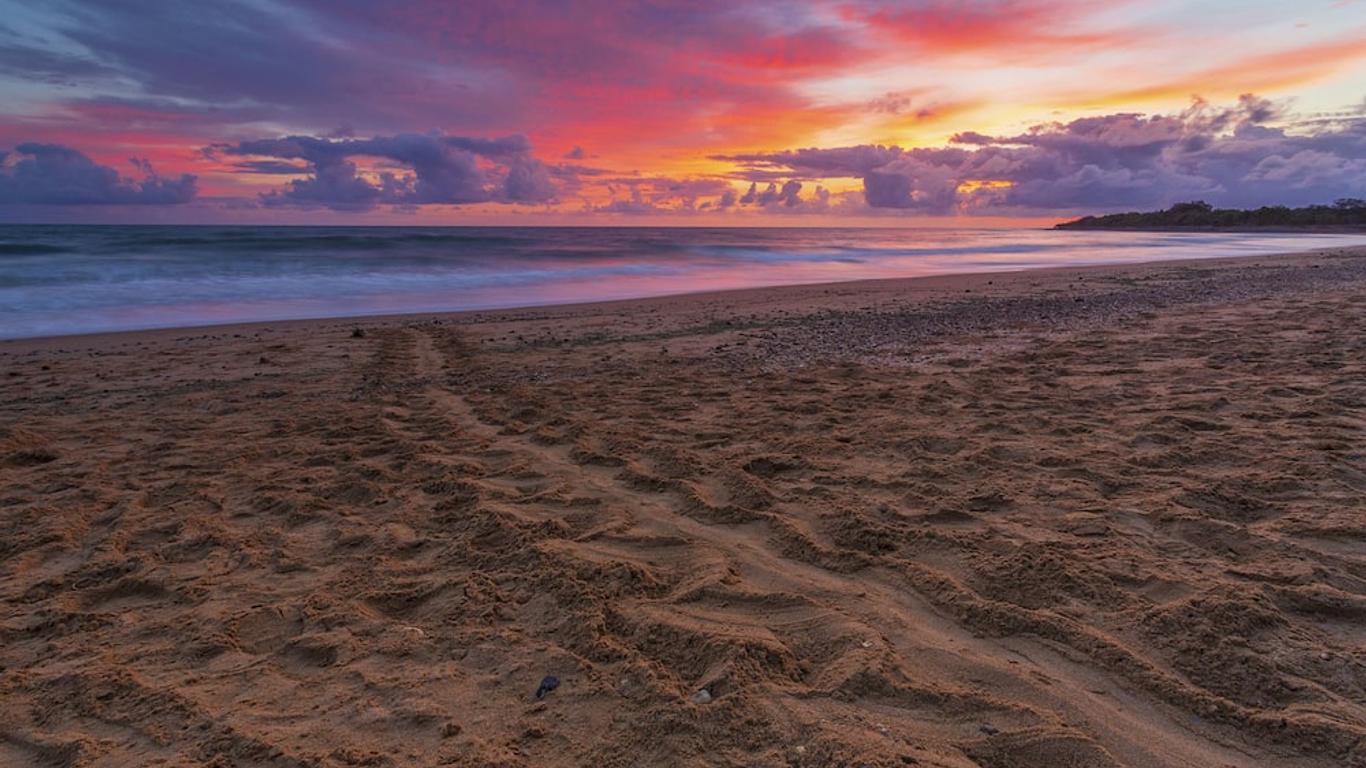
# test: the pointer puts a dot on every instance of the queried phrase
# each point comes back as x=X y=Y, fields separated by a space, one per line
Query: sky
x=687 y=112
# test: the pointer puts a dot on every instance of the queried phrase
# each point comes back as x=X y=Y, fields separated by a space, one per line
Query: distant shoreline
x=1280 y=229
x=1345 y=215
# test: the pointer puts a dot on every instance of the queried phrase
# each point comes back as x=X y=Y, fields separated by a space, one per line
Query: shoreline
x=950 y=281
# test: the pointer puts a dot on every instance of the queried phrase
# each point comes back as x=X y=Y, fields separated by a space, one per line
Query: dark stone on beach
x=358 y=333
x=989 y=729
x=548 y=684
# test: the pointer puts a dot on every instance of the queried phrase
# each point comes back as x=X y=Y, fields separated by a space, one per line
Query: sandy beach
x=1110 y=516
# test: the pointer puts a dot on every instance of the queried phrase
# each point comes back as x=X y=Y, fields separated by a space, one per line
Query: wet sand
x=1083 y=517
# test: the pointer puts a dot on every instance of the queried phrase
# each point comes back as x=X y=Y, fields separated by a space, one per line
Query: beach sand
x=1082 y=517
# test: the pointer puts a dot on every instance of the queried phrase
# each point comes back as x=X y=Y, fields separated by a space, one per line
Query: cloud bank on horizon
x=416 y=111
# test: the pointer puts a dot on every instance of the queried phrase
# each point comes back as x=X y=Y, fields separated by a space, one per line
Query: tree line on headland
x=1349 y=212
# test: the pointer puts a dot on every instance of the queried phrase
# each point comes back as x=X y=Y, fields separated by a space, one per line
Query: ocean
x=57 y=280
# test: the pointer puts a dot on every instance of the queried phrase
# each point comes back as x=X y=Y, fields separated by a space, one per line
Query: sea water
x=78 y=279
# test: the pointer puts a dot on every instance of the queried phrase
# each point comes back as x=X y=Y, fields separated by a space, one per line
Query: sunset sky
x=844 y=112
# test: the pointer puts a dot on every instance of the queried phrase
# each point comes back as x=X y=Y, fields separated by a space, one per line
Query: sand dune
x=1099 y=517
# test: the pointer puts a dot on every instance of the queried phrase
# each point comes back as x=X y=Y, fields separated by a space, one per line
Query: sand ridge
x=1077 y=517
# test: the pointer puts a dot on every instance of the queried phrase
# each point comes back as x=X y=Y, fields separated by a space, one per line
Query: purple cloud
x=778 y=199
x=1229 y=157
x=274 y=167
x=788 y=195
x=304 y=68
x=838 y=161
x=662 y=194
x=469 y=67
x=52 y=174
x=433 y=169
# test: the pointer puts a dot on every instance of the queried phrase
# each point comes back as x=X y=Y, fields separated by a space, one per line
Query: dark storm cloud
x=52 y=174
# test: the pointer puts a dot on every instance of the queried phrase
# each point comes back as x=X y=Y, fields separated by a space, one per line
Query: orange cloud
x=1267 y=72
x=1001 y=30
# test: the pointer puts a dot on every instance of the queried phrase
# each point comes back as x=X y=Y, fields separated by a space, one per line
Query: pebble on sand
x=548 y=684
x=701 y=697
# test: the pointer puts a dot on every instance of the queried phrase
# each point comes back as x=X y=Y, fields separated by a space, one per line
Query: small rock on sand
x=548 y=684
